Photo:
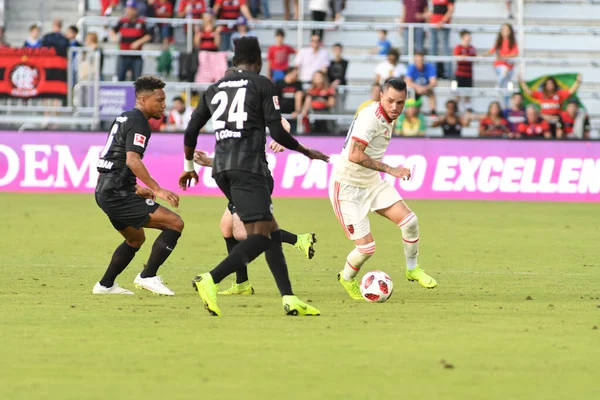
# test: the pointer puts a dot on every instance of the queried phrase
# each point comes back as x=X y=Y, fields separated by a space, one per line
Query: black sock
x=161 y=250
x=241 y=275
x=288 y=237
x=277 y=264
x=243 y=254
x=119 y=261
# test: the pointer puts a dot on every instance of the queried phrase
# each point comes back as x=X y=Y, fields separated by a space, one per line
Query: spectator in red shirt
x=551 y=99
x=278 y=57
x=441 y=15
x=320 y=99
x=464 y=68
x=505 y=49
x=573 y=124
x=133 y=35
x=230 y=10
x=534 y=126
x=494 y=124
x=191 y=8
x=209 y=37
x=163 y=9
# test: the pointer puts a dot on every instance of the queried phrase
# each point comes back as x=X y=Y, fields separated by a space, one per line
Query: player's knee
x=366 y=250
x=410 y=225
x=178 y=224
x=239 y=235
x=136 y=242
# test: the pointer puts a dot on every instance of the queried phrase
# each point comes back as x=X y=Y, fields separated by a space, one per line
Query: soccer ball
x=376 y=286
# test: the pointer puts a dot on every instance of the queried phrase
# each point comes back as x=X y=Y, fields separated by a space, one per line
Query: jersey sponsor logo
x=139 y=140
x=233 y=84
x=104 y=164
x=150 y=202
x=276 y=102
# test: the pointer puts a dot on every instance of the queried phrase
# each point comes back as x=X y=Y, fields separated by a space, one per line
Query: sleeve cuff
x=363 y=141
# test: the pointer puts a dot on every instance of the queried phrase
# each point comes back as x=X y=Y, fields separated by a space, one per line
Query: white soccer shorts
x=352 y=205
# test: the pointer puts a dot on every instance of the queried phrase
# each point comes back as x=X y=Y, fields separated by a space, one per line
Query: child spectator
x=278 y=57
x=452 y=123
x=390 y=68
x=421 y=77
x=208 y=38
x=337 y=76
x=290 y=97
x=464 y=68
x=164 y=62
x=163 y=9
x=383 y=44
x=375 y=96
x=33 y=41
x=212 y=62
x=230 y=10
x=534 y=126
x=515 y=114
x=179 y=116
x=494 y=124
x=242 y=31
x=505 y=49
x=551 y=99
x=573 y=123
x=412 y=121
x=320 y=99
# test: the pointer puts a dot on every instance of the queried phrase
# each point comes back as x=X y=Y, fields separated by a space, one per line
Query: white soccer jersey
x=373 y=128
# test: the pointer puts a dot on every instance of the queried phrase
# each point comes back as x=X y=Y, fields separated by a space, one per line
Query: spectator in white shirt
x=312 y=59
x=179 y=116
x=390 y=68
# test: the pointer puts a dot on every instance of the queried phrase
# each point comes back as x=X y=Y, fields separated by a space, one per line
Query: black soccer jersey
x=129 y=132
x=241 y=105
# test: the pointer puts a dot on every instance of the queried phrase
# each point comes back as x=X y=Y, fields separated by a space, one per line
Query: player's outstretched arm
x=202 y=159
x=135 y=164
x=199 y=118
x=358 y=156
x=281 y=136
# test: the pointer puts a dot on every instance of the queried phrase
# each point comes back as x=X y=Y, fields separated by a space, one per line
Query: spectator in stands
x=415 y=12
x=86 y=69
x=505 y=49
x=574 y=123
x=534 y=127
x=290 y=97
x=33 y=41
x=390 y=68
x=193 y=9
x=71 y=35
x=56 y=39
x=318 y=9
x=260 y=7
x=452 y=123
x=312 y=59
x=337 y=76
x=337 y=8
x=209 y=37
x=230 y=10
x=133 y=35
x=411 y=122
x=375 y=96
x=286 y=7
x=383 y=44
x=163 y=9
x=320 y=100
x=421 y=77
x=164 y=62
x=464 y=68
x=439 y=17
x=509 y=9
x=494 y=124
x=551 y=98
x=515 y=114
x=242 y=31
x=107 y=6
x=278 y=57
x=179 y=116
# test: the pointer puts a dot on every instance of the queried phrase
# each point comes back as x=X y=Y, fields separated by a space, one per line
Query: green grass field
x=61 y=342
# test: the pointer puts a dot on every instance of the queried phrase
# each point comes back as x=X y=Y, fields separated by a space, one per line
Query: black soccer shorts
x=230 y=205
x=126 y=210
x=249 y=194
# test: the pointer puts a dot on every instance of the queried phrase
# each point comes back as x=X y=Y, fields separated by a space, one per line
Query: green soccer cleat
x=207 y=289
x=305 y=244
x=244 y=288
x=352 y=287
x=419 y=275
x=294 y=306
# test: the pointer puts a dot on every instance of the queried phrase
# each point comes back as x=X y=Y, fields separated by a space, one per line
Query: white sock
x=410 y=238
x=356 y=259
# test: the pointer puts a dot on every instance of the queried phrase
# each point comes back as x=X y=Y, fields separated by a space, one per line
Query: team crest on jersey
x=150 y=202
x=276 y=102
x=139 y=140
x=350 y=229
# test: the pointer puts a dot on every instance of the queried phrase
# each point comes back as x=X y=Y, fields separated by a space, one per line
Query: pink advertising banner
x=442 y=168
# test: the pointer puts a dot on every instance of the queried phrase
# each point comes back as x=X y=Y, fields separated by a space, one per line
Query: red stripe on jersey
x=360 y=140
x=380 y=112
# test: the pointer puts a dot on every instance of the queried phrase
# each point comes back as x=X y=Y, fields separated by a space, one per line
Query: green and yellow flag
x=565 y=81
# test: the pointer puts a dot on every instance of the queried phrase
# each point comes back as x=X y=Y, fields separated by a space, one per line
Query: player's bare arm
x=135 y=164
x=145 y=192
x=358 y=156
